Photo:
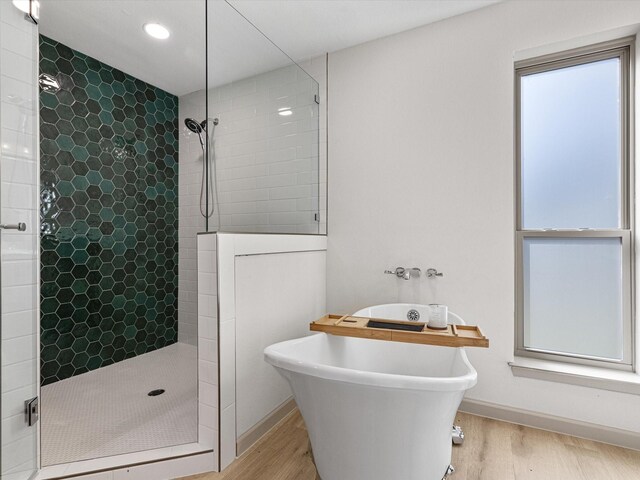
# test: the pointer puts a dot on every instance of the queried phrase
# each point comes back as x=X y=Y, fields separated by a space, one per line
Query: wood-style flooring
x=492 y=450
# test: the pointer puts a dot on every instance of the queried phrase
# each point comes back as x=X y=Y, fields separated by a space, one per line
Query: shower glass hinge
x=32 y=411
x=316 y=98
x=33 y=14
x=316 y=217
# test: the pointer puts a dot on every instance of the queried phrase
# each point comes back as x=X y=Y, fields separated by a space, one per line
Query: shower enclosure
x=117 y=150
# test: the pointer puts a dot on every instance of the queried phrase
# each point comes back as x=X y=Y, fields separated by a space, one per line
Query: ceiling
x=111 y=31
x=305 y=28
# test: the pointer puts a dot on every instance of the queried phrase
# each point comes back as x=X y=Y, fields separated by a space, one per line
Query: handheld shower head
x=194 y=126
x=197 y=128
x=208 y=174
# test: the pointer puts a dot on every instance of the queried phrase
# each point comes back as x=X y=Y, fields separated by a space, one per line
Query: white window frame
x=624 y=50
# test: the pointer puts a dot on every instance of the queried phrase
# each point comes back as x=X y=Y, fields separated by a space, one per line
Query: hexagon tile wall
x=109 y=215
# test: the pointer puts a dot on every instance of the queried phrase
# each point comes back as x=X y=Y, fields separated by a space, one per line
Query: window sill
x=593 y=377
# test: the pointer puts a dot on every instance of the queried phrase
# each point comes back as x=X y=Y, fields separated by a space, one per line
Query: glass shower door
x=18 y=241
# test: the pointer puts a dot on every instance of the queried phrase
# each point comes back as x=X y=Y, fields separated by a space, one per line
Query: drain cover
x=413 y=315
x=155 y=393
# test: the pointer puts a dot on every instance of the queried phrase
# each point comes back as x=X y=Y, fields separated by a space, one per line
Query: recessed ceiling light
x=156 y=30
x=285 y=112
x=23 y=6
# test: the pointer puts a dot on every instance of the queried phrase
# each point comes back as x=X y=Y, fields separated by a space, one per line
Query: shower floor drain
x=155 y=393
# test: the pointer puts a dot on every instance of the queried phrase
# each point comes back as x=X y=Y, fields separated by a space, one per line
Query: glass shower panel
x=117 y=348
x=18 y=241
x=263 y=139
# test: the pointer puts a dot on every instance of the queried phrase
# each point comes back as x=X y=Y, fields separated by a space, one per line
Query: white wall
x=277 y=295
x=421 y=174
x=267 y=165
x=303 y=302
x=19 y=257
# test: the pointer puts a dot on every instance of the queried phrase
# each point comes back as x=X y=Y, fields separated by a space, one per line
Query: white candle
x=438 y=316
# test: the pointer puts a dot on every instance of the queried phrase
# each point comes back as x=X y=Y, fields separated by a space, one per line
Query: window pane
x=573 y=295
x=571 y=147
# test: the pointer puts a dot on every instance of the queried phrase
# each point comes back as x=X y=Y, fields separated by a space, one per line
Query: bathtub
x=376 y=410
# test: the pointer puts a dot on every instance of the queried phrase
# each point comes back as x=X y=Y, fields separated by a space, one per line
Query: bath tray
x=350 y=326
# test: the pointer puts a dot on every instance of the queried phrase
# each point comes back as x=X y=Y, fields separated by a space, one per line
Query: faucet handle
x=432 y=272
x=399 y=271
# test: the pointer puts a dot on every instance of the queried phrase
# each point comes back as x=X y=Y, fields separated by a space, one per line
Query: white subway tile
x=18 y=349
x=18 y=375
x=208 y=372
x=287 y=205
x=20 y=196
x=18 y=324
x=13 y=401
x=19 y=41
x=208 y=394
x=17 y=299
x=18 y=117
x=17 y=66
x=208 y=326
x=207 y=283
x=283 y=180
x=207 y=416
x=298 y=191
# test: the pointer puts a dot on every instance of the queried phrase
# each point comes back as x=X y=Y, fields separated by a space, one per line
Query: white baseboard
x=575 y=428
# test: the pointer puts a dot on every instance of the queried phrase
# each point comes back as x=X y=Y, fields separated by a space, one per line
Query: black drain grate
x=155 y=393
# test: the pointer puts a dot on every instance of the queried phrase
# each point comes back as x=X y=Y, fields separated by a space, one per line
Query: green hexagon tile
x=109 y=215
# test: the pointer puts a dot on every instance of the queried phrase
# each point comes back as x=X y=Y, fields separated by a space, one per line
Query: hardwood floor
x=492 y=450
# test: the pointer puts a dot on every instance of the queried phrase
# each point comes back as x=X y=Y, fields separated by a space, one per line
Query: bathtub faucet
x=405 y=273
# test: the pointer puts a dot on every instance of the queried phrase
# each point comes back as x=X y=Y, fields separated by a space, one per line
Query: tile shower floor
x=108 y=412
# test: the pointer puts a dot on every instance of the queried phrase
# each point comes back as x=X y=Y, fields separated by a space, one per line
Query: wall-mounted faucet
x=405 y=273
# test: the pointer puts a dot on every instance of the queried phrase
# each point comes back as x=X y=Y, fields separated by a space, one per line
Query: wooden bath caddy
x=350 y=326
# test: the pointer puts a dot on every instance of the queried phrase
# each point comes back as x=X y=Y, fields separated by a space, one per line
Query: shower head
x=194 y=126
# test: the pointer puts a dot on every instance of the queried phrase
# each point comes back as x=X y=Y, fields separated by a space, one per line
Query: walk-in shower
x=127 y=175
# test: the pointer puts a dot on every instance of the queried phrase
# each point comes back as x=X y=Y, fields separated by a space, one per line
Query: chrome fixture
x=413 y=315
x=457 y=435
x=49 y=83
x=208 y=156
x=405 y=273
x=432 y=273
x=449 y=472
x=399 y=272
x=32 y=411
x=31 y=9
x=197 y=128
x=21 y=227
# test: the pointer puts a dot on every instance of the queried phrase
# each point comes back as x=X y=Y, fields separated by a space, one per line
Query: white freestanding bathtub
x=376 y=410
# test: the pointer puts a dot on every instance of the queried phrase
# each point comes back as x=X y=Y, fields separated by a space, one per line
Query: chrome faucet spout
x=415 y=272
x=404 y=273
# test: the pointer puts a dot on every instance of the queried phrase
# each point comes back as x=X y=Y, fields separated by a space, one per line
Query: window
x=574 y=224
